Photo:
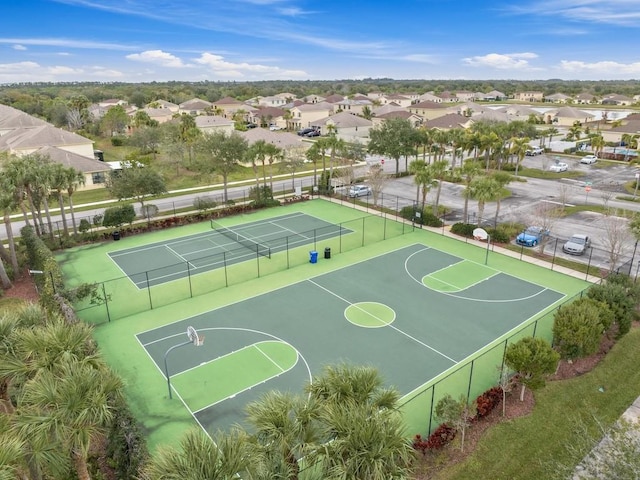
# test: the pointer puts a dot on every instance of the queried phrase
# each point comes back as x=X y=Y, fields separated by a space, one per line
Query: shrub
x=84 y=226
x=463 y=229
x=578 y=327
x=204 y=203
x=499 y=235
x=118 y=141
x=149 y=211
x=426 y=218
x=97 y=219
x=117 y=216
x=442 y=436
x=621 y=295
x=489 y=400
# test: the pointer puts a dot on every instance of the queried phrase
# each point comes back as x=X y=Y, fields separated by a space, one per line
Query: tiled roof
x=46 y=135
x=344 y=120
x=70 y=159
x=451 y=120
x=279 y=139
x=212 y=120
x=11 y=118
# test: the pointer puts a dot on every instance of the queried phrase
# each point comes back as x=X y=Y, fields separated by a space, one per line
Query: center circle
x=370 y=314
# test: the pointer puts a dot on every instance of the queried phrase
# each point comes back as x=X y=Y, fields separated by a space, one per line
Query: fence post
x=470 y=380
x=363 y=231
x=224 y=262
x=189 y=278
x=433 y=394
x=146 y=274
x=106 y=302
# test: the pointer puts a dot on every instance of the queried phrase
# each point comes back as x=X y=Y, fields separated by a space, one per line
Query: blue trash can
x=313 y=256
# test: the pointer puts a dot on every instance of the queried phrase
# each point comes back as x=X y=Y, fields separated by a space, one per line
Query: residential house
x=468 y=109
x=164 y=105
x=585 y=98
x=520 y=112
x=353 y=106
x=271 y=101
x=23 y=141
x=348 y=127
x=195 y=106
x=396 y=99
x=529 y=96
x=313 y=99
x=614 y=134
x=389 y=107
x=282 y=140
x=429 y=97
x=415 y=120
x=335 y=98
x=567 y=116
x=267 y=116
x=449 y=122
x=449 y=97
x=615 y=99
x=214 y=123
x=160 y=115
x=95 y=172
x=493 y=95
x=489 y=115
x=464 y=96
x=428 y=110
x=303 y=116
x=228 y=106
x=12 y=119
x=558 y=98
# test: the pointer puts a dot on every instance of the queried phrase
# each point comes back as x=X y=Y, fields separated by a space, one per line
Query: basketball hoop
x=194 y=338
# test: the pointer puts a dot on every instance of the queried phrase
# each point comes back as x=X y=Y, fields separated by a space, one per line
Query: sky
x=250 y=40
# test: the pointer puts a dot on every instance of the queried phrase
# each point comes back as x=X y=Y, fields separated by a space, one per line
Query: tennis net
x=256 y=247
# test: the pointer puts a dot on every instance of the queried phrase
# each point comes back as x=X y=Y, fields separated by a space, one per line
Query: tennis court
x=413 y=313
x=174 y=259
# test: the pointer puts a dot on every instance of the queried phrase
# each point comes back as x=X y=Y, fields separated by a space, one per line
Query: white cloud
x=220 y=66
x=293 y=12
x=19 y=47
x=501 y=61
x=418 y=57
x=62 y=70
x=158 y=57
x=64 y=42
x=615 y=12
x=18 y=67
x=606 y=68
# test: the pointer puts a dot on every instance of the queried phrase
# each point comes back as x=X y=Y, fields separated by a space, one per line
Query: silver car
x=359 y=191
x=577 y=244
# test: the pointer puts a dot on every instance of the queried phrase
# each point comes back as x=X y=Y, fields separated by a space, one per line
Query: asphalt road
x=605 y=182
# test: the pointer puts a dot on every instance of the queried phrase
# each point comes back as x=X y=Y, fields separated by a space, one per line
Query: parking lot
x=605 y=182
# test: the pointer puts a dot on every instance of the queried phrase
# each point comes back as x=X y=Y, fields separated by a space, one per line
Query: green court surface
x=376 y=312
x=175 y=259
x=420 y=307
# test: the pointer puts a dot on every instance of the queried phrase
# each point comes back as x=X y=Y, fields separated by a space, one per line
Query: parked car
x=251 y=125
x=274 y=127
x=589 y=159
x=559 y=167
x=313 y=133
x=302 y=132
x=531 y=236
x=534 y=151
x=577 y=244
x=359 y=191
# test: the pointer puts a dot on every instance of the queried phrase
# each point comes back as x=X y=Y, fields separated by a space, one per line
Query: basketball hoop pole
x=191 y=341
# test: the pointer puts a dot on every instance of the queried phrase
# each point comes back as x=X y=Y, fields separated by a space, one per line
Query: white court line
x=389 y=325
x=179 y=256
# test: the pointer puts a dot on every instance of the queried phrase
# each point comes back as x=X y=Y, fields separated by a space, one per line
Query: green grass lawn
x=532 y=447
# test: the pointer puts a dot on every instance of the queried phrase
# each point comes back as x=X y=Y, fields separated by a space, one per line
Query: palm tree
x=551 y=132
x=597 y=144
x=9 y=199
x=273 y=153
x=59 y=185
x=257 y=153
x=74 y=180
x=336 y=147
x=362 y=428
x=483 y=189
x=468 y=171
x=519 y=148
x=503 y=179
x=423 y=178
x=286 y=426
x=457 y=140
x=69 y=406
x=227 y=457
x=439 y=170
x=490 y=143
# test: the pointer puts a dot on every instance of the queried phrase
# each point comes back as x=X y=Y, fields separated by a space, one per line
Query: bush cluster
x=426 y=218
x=486 y=402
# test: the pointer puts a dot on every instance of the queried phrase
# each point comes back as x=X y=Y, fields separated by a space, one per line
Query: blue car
x=531 y=236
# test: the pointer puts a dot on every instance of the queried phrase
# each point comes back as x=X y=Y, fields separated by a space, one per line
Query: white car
x=359 y=190
x=274 y=128
x=559 y=167
x=589 y=159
